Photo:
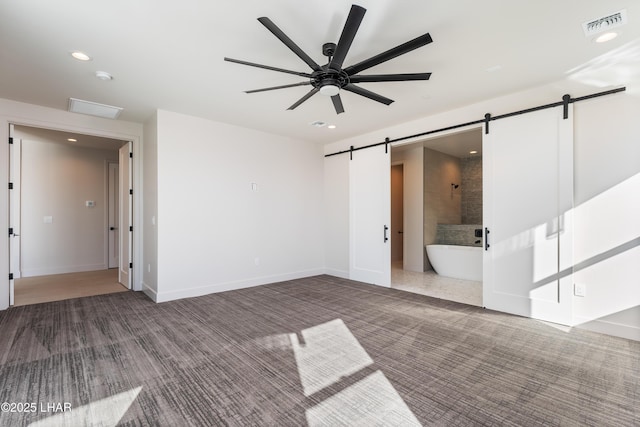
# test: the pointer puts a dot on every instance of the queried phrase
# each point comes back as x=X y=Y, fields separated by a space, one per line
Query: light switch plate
x=580 y=290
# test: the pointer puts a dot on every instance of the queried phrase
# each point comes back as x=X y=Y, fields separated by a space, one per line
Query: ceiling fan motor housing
x=329 y=77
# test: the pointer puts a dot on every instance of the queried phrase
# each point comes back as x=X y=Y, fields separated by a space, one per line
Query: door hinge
x=10 y=231
x=131 y=155
x=131 y=228
x=486 y=239
x=10 y=140
x=11 y=186
x=130 y=265
x=131 y=192
x=10 y=276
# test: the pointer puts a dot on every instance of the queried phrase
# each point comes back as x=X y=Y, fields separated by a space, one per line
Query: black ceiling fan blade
x=389 y=77
x=304 y=98
x=267 y=67
x=389 y=54
x=289 y=43
x=278 y=87
x=367 y=94
x=337 y=103
x=348 y=34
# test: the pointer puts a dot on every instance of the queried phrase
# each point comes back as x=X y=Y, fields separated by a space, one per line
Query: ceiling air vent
x=94 y=109
x=605 y=23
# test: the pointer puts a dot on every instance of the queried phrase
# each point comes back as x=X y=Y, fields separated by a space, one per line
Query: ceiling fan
x=329 y=79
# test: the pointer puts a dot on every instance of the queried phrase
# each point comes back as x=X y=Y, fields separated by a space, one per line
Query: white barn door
x=370 y=216
x=528 y=201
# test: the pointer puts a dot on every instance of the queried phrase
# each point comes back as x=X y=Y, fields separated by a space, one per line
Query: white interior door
x=528 y=191
x=113 y=215
x=15 y=163
x=126 y=215
x=370 y=216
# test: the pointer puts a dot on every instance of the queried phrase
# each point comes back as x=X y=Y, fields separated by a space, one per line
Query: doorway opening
x=397 y=214
x=66 y=207
x=441 y=206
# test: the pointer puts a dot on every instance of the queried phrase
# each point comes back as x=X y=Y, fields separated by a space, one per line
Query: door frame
x=40 y=117
x=112 y=199
x=125 y=215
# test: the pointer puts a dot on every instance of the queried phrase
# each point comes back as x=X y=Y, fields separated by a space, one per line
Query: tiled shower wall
x=458 y=234
x=471 y=168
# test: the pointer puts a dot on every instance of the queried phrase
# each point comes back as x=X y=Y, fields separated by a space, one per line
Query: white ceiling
x=169 y=55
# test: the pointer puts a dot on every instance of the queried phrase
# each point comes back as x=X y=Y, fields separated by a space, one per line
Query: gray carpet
x=319 y=351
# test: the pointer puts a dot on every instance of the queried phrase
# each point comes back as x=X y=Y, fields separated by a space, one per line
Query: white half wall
x=236 y=207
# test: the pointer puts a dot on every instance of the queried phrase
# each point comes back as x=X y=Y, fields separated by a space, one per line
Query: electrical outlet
x=580 y=289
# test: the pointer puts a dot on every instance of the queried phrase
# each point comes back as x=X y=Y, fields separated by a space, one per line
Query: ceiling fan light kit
x=331 y=78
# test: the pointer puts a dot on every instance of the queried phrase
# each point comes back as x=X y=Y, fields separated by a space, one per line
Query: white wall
x=214 y=232
x=336 y=214
x=607 y=162
x=413 y=167
x=49 y=118
x=607 y=214
x=150 y=200
x=57 y=179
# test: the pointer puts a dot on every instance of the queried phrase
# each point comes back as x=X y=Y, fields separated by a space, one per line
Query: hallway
x=34 y=290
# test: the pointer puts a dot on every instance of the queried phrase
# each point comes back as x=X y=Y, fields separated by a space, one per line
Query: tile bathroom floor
x=431 y=284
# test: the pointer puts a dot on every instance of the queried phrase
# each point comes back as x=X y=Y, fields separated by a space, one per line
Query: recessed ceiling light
x=473 y=152
x=331 y=126
x=103 y=75
x=606 y=37
x=80 y=56
x=72 y=140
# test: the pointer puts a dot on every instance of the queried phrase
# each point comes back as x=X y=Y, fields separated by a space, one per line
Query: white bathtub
x=459 y=262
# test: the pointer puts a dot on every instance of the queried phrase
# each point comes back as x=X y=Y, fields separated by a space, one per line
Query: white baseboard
x=337 y=273
x=609 y=328
x=230 y=286
x=32 y=272
x=150 y=292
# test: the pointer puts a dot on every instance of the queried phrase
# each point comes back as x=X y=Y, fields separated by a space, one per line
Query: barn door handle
x=385 y=233
x=486 y=239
